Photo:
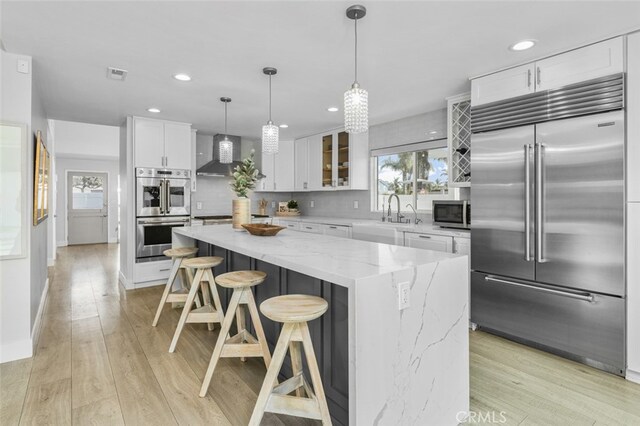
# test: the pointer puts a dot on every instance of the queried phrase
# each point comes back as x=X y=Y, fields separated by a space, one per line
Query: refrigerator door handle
x=587 y=297
x=527 y=202
x=539 y=204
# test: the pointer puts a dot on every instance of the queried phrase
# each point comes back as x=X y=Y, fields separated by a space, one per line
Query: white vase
x=241 y=212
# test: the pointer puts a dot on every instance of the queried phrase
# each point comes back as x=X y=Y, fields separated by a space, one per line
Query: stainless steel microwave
x=452 y=213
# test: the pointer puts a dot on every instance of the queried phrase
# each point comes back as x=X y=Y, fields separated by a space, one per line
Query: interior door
x=500 y=234
x=87 y=213
x=582 y=221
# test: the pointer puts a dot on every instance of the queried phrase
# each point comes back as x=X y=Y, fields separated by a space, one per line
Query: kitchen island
x=379 y=364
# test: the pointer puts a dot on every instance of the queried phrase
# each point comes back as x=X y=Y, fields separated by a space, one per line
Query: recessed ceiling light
x=332 y=109
x=156 y=110
x=433 y=132
x=182 y=77
x=522 y=45
x=284 y=126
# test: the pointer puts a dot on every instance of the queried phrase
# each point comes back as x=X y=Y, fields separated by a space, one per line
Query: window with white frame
x=417 y=173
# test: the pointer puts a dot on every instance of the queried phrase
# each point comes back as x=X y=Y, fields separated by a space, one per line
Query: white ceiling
x=412 y=55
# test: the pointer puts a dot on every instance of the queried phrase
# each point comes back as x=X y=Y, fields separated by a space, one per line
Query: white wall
x=82 y=139
x=16 y=274
x=63 y=167
x=86 y=147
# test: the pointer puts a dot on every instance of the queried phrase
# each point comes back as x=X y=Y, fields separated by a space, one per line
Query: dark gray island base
x=330 y=333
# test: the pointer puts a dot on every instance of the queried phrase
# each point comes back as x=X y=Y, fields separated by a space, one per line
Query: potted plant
x=292 y=205
x=244 y=180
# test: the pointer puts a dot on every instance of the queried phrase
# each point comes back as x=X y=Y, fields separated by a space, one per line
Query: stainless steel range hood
x=215 y=168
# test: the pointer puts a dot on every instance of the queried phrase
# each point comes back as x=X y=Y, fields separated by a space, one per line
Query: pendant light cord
x=356 y=49
x=269 y=97
x=225 y=119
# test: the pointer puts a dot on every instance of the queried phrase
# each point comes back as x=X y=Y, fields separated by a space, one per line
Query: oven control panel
x=166 y=173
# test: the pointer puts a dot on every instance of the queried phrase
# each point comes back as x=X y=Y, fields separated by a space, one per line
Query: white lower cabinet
x=429 y=242
x=289 y=224
x=633 y=289
x=151 y=271
x=337 y=230
x=462 y=245
x=313 y=228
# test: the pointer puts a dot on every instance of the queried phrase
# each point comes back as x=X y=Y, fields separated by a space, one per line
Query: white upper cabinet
x=278 y=169
x=314 y=160
x=506 y=84
x=177 y=145
x=597 y=60
x=301 y=165
x=148 y=137
x=586 y=63
x=633 y=125
x=161 y=144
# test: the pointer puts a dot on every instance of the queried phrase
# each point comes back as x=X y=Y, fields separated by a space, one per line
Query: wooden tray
x=262 y=229
x=287 y=213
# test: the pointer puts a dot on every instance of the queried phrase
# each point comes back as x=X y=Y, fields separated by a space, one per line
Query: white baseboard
x=37 y=324
x=112 y=240
x=633 y=376
x=62 y=243
x=124 y=281
x=149 y=284
x=16 y=350
x=51 y=262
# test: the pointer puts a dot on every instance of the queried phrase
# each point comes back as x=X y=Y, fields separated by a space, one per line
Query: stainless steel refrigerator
x=547 y=242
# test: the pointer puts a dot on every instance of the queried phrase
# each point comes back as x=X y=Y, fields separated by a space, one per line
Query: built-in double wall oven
x=163 y=201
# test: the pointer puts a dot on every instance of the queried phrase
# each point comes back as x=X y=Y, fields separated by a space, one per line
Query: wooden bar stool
x=178 y=255
x=206 y=313
x=294 y=311
x=243 y=344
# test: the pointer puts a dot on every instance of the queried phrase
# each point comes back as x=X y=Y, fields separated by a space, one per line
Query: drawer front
x=313 y=228
x=590 y=332
x=429 y=242
x=289 y=224
x=151 y=271
x=337 y=230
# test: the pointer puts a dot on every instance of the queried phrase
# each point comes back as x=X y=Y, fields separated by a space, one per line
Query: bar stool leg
x=272 y=374
x=175 y=268
x=187 y=308
x=315 y=373
x=206 y=300
x=296 y=363
x=257 y=325
x=188 y=276
x=217 y=351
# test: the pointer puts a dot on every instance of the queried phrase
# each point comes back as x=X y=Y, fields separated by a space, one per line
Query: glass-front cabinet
x=335 y=160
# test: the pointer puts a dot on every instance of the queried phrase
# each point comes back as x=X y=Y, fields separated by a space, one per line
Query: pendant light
x=356 y=99
x=226 y=146
x=270 y=131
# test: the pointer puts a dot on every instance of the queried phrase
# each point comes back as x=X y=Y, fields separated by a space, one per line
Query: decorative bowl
x=262 y=229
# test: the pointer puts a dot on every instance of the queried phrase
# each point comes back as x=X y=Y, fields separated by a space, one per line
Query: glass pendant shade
x=356 y=110
x=270 y=133
x=226 y=151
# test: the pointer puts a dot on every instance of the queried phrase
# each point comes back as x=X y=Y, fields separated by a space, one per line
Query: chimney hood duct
x=215 y=168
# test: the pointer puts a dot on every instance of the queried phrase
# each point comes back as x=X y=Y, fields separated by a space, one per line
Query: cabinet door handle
x=333 y=227
x=274 y=186
x=304 y=185
x=529 y=78
x=538 y=76
x=424 y=236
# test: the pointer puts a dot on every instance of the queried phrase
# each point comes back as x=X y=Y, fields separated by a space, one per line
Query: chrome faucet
x=415 y=219
x=399 y=215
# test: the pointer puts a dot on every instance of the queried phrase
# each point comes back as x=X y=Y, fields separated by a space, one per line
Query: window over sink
x=418 y=173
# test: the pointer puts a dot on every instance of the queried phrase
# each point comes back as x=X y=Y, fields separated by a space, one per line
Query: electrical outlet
x=403 y=295
x=273 y=204
x=355 y=204
x=199 y=205
x=312 y=204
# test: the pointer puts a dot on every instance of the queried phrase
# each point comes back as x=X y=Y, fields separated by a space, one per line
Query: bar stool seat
x=179 y=255
x=207 y=313
x=243 y=344
x=294 y=308
x=309 y=402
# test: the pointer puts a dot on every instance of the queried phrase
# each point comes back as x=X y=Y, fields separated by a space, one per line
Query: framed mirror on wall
x=40 y=181
x=13 y=190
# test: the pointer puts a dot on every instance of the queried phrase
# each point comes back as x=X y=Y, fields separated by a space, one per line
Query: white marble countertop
x=342 y=261
x=403 y=227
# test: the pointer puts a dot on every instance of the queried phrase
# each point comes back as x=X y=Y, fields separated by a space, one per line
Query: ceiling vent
x=116 y=73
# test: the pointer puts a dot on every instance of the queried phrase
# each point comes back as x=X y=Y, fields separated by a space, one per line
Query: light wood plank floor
x=99 y=361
